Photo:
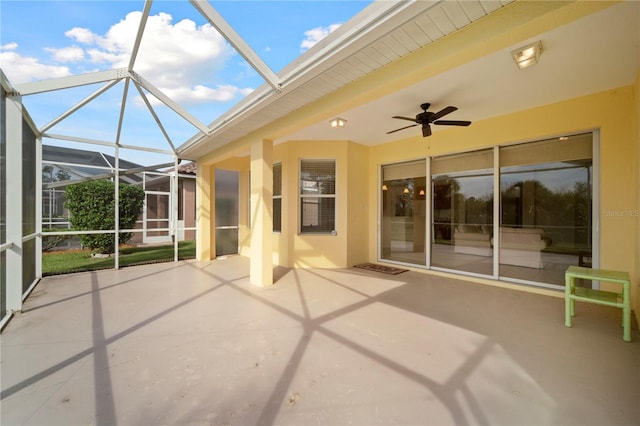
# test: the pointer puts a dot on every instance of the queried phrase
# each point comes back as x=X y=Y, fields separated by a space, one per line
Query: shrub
x=92 y=205
x=49 y=242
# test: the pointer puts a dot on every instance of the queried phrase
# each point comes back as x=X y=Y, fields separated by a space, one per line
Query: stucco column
x=205 y=239
x=261 y=269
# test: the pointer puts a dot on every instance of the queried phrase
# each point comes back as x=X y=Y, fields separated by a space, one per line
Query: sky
x=181 y=54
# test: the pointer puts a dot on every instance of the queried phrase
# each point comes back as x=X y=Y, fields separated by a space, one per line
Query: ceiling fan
x=426 y=118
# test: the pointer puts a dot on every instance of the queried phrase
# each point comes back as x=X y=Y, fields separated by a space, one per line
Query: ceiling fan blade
x=404 y=118
x=402 y=128
x=452 y=122
x=426 y=130
x=443 y=112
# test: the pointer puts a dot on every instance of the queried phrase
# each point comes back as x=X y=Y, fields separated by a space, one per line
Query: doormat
x=380 y=268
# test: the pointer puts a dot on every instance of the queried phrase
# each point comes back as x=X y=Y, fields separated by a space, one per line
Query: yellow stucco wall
x=613 y=112
x=292 y=249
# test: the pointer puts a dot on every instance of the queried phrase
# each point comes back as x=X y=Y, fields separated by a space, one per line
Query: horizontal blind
x=578 y=147
x=407 y=170
x=317 y=196
x=476 y=160
x=317 y=177
x=277 y=179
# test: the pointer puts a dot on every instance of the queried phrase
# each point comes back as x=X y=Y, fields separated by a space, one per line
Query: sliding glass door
x=545 y=216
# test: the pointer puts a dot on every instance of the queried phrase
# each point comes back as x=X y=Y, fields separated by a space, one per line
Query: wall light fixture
x=338 y=122
x=527 y=55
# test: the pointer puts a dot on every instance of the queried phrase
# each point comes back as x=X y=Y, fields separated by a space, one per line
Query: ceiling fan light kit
x=426 y=118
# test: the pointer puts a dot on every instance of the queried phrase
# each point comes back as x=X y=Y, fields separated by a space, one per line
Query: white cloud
x=222 y=93
x=81 y=35
x=9 y=46
x=181 y=58
x=314 y=35
x=21 y=69
x=66 y=54
x=177 y=58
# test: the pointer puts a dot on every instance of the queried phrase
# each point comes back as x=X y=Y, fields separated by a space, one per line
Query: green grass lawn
x=64 y=262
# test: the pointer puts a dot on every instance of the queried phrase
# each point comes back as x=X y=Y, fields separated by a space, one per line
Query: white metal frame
x=14 y=209
x=15 y=114
x=379 y=14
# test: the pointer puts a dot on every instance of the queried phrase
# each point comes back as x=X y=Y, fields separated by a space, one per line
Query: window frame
x=333 y=196
x=277 y=197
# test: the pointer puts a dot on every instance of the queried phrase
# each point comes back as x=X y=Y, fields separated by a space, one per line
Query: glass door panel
x=546 y=219
x=462 y=236
x=404 y=212
x=227 y=211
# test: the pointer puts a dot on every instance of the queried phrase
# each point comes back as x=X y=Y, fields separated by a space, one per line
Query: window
x=317 y=196
x=277 y=197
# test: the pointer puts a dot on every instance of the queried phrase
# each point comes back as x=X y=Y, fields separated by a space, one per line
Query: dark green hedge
x=92 y=205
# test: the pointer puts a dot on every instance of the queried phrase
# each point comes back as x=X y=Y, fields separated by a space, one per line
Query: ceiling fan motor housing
x=424 y=117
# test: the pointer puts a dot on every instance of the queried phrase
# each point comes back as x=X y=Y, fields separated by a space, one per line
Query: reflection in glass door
x=404 y=212
x=463 y=212
x=227 y=211
x=546 y=191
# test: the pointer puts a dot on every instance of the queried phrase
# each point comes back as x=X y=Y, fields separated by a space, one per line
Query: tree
x=92 y=206
x=50 y=174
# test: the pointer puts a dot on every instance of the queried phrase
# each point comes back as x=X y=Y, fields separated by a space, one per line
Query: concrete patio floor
x=195 y=343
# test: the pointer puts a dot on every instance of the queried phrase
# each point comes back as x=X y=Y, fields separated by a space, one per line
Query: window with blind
x=277 y=197
x=317 y=196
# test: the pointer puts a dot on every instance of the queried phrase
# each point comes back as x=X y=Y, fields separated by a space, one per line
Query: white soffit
x=595 y=53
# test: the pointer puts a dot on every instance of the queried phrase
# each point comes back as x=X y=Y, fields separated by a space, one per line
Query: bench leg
x=569 y=309
x=626 y=312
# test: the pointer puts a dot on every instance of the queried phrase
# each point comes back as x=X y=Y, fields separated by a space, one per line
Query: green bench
x=619 y=300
